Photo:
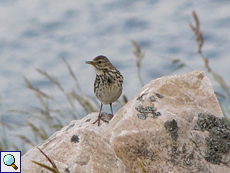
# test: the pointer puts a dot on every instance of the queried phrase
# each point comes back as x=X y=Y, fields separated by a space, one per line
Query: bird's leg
x=111 y=108
x=99 y=117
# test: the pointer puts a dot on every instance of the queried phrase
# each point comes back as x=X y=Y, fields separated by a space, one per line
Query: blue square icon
x=10 y=161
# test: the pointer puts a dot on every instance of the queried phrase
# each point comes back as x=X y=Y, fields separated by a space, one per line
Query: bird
x=107 y=84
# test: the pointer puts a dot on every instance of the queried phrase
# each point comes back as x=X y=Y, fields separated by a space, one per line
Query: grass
x=142 y=165
x=200 y=43
x=216 y=76
x=139 y=54
x=44 y=120
x=52 y=168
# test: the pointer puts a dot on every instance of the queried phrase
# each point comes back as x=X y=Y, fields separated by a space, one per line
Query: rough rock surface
x=75 y=150
x=171 y=141
x=174 y=124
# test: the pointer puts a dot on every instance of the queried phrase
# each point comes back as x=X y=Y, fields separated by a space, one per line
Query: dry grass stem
x=30 y=86
x=84 y=102
x=52 y=169
x=139 y=57
x=72 y=74
x=26 y=140
x=200 y=43
x=142 y=166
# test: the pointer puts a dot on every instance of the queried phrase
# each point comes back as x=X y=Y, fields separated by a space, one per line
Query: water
x=37 y=34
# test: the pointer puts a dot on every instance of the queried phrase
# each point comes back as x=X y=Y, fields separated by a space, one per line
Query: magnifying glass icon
x=9 y=160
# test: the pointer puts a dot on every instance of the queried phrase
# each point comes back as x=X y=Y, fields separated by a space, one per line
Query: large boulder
x=165 y=125
x=75 y=149
x=174 y=124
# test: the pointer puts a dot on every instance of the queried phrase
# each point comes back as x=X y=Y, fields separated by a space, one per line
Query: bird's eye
x=99 y=62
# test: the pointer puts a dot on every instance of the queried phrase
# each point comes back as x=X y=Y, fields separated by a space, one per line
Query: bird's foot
x=98 y=120
x=104 y=117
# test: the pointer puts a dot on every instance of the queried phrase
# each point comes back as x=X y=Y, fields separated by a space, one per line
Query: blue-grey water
x=37 y=34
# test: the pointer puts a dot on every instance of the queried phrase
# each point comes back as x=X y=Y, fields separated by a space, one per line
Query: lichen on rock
x=172 y=128
x=218 y=142
x=144 y=112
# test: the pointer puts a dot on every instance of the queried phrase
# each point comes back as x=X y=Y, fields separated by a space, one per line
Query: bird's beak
x=89 y=62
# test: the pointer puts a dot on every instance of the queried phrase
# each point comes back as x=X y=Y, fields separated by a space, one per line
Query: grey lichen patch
x=188 y=160
x=139 y=149
x=67 y=170
x=142 y=116
x=147 y=109
x=159 y=95
x=200 y=76
x=152 y=98
x=141 y=97
x=144 y=111
x=184 y=149
x=185 y=157
x=218 y=142
x=208 y=121
x=172 y=128
x=156 y=114
x=70 y=126
x=75 y=139
x=87 y=120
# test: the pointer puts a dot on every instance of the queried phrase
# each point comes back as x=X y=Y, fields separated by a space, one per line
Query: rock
x=172 y=125
x=75 y=150
x=171 y=141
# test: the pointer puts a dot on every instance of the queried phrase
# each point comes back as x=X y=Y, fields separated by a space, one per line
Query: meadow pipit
x=108 y=83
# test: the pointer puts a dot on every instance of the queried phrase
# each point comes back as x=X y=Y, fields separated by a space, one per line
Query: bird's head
x=101 y=63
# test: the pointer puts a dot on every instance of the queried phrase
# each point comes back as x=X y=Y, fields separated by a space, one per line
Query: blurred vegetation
x=142 y=165
x=217 y=77
x=52 y=168
x=200 y=43
x=139 y=54
x=44 y=120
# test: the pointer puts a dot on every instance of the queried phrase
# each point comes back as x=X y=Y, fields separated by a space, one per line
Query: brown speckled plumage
x=108 y=82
